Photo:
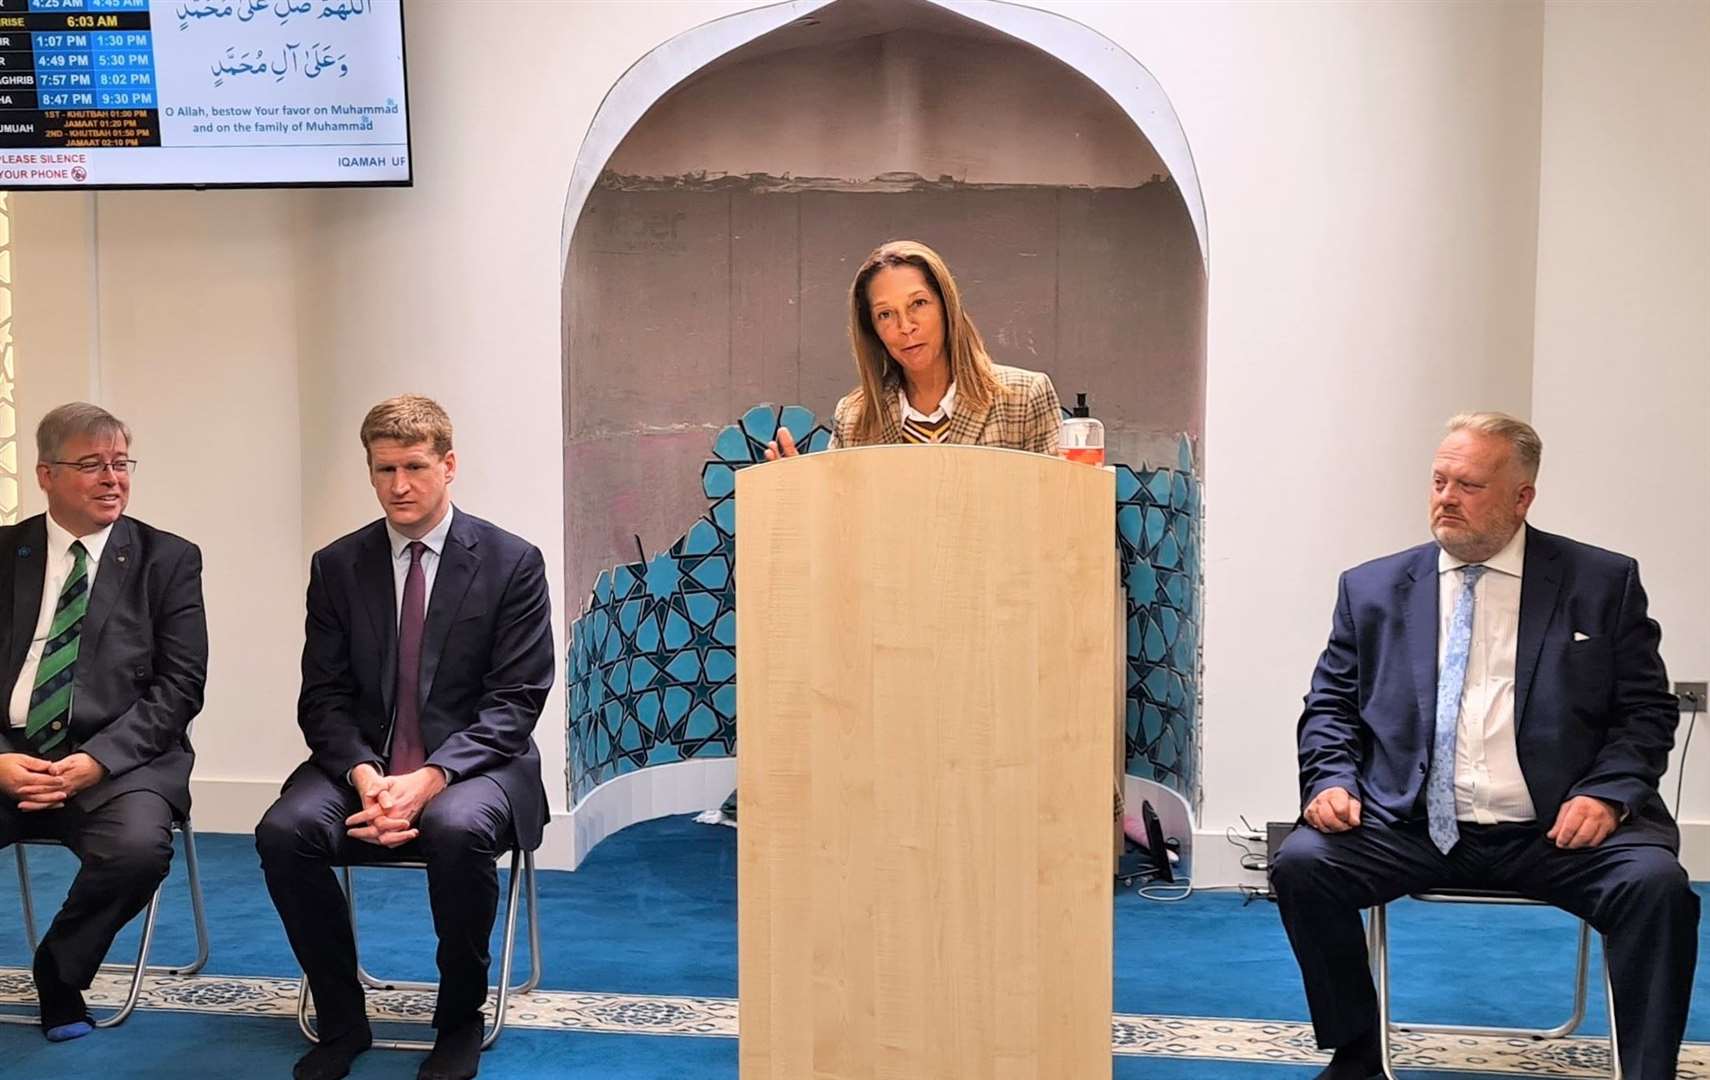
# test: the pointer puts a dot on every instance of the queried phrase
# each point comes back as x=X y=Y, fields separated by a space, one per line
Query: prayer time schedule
x=201 y=92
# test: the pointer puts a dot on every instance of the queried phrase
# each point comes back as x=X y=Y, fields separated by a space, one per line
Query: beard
x=1460 y=539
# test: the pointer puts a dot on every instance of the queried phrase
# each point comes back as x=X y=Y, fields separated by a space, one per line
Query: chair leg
x=1609 y=1003
x=26 y=899
x=533 y=979
x=504 y=988
x=139 y=970
x=1377 y=934
x=198 y=910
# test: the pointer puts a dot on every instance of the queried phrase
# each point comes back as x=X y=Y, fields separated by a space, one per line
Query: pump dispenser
x=1083 y=437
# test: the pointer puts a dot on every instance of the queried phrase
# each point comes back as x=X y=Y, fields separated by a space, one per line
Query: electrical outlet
x=1696 y=691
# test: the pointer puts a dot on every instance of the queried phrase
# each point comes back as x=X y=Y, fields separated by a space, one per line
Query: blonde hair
x=970 y=364
x=409 y=419
x=71 y=420
x=1521 y=436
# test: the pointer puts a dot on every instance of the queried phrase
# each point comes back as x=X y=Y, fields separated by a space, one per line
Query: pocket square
x=1577 y=636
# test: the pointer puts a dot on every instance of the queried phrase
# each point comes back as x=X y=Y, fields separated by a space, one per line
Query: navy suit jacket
x=487 y=660
x=1593 y=713
x=142 y=658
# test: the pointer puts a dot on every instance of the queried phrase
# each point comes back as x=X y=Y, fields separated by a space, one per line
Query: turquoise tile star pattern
x=652 y=665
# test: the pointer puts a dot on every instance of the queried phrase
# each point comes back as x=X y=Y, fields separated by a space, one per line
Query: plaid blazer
x=1024 y=414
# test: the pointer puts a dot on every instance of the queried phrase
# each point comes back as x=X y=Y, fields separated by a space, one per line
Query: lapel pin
x=121 y=558
x=23 y=553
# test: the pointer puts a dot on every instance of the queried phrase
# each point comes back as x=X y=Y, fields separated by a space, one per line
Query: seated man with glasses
x=105 y=652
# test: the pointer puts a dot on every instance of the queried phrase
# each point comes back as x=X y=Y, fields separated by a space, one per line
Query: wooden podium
x=925 y=672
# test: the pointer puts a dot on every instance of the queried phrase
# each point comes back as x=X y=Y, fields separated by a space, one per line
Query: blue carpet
x=653 y=912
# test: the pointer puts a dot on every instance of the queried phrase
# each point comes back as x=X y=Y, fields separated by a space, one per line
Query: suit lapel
x=890 y=418
x=1422 y=620
x=117 y=559
x=458 y=563
x=1540 y=587
x=379 y=597
x=967 y=421
x=28 y=567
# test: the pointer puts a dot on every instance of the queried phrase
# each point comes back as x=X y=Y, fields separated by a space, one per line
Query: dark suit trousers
x=1635 y=895
x=303 y=836
x=124 y=846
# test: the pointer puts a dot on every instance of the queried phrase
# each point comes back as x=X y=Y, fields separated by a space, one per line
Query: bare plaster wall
x=915 y=102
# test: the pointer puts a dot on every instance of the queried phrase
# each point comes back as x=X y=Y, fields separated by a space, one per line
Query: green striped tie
x=45 y=726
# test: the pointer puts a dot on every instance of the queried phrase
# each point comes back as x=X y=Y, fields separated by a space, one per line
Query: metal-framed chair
x=141 y=967
x=1377 y=939
x=520 y=860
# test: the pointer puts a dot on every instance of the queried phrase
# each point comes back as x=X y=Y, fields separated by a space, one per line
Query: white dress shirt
x=435 y=542
x=59 y=564
x=1489 y=786
x=946 y=406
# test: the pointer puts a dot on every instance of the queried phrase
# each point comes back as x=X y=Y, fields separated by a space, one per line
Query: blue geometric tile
x=719 y=665
x=1159 y=486
x=1128 y=524
x=761 y=423
x=717 y=479
x=702 y=607
x=712 y=573
x=1127 y=484
x=800 y=421
x=701 y=539
x=1154 y=526
x=732 y=445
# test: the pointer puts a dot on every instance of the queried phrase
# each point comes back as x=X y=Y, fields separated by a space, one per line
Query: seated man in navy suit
x=1491 y=711
x=426 y=663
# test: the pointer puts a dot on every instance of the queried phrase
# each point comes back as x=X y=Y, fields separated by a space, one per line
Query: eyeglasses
x=121 y=466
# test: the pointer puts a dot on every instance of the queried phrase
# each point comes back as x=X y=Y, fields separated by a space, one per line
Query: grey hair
x=1521 y=436
x=71 y=420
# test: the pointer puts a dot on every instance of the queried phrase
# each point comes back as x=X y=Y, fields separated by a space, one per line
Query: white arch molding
x=1111 y=68
x=686 y=787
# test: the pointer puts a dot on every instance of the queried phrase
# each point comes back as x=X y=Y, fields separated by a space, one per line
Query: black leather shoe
x=456 y=1052
x=1359 y=1060
x=331 y=1058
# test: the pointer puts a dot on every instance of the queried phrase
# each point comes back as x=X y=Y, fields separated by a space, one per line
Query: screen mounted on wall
x=193 y=93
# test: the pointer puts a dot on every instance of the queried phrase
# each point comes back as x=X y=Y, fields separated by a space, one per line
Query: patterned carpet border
x=1204 y=1038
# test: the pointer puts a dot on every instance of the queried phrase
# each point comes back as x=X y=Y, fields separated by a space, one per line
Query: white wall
x=193 y=343
x=1621 y=389
x=1370 y=184
x=1372 y=180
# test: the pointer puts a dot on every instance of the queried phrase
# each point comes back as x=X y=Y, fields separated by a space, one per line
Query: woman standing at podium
x=925 y=374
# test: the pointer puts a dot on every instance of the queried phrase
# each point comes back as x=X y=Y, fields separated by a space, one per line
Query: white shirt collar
x=946 y=406
x=59 y=540
x=434 y=540
x=1511 y=560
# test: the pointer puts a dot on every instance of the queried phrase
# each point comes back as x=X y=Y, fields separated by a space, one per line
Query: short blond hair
x=409 y=419
x=1522 y=437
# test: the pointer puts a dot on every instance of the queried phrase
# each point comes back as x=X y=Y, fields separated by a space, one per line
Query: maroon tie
x=407 y=753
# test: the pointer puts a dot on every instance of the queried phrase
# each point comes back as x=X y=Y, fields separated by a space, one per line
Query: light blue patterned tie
x=1440 y=784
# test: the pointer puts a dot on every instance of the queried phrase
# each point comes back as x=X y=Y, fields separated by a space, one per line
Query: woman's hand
x=783 y=446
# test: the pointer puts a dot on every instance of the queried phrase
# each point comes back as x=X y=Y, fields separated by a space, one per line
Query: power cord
x=1685 y=748
x=1169 y=893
